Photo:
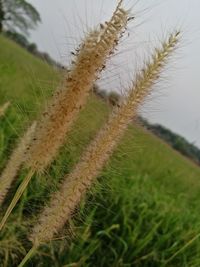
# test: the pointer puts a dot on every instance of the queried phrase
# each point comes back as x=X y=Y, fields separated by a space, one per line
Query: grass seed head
x=16 y=160
x=75 y=185
x=56 y=121
x=67 y=102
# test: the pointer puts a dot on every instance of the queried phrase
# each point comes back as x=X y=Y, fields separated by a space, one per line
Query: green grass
x=143 y=209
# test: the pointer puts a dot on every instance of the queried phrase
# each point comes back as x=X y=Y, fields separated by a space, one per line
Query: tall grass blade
x=4 y=108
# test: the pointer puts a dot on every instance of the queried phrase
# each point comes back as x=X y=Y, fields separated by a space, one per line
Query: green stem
x=28 y=256
x=16 y=197
x=183 y=248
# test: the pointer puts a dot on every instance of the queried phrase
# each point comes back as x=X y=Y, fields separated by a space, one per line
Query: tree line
x=178 y=142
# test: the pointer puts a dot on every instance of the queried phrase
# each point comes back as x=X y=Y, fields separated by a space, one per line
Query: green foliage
x=144 y=208
x=176 y=141
x=18 y=15
x=31 y=47
x=18 y=38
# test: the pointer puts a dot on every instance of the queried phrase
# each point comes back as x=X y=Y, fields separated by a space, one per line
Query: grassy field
x=144 y=209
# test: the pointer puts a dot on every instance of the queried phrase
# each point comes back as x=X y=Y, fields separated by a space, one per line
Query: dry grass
x=76 y=184
x=67 y=102
x=15 y=162
x=4 y=108
x=51 y=130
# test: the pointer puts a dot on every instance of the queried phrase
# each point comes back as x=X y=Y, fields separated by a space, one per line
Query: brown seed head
x=67 y=102
x=75 y=185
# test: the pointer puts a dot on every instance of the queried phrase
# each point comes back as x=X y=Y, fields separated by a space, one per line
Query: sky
x=175 y=102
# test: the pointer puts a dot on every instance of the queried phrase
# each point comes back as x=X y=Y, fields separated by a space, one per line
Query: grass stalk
x=28 y=256
x=189 y=243
x=4 y=108
x=56 y=121
x=76 y=184
x=15 y=162
x=67 y=102
x=17 y=196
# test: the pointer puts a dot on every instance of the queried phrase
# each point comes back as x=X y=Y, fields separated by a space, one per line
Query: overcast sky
x=176 y=102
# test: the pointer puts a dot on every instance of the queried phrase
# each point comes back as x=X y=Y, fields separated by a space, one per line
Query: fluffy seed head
x=67 y=102
x=16 y=160
x=75 y=185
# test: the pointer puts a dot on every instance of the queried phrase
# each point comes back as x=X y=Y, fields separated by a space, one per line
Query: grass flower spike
x=75 y=185
x=67 y=102
x=16 y=160
x=56 y=121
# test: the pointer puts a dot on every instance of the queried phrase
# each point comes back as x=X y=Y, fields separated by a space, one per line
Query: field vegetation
x=142 y=211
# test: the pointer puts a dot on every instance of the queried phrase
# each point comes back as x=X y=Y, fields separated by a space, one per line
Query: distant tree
x=2 y=15
x=18 y=15
x=32 y=48
x=17 y=37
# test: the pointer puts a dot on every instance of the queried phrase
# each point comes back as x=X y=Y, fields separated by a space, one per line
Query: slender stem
x=28 y=256
x=16 y=197
x=183 y=248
